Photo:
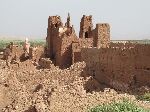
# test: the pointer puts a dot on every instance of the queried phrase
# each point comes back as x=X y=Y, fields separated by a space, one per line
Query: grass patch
x=124 y=106
x=144 y=97
x=4 y=43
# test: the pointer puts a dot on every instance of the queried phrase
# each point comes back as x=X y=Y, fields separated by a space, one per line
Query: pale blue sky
x=129 y=19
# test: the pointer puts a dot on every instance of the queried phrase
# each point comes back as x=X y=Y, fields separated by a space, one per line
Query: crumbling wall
x=46 y=63
x=59 y=40
x=119 y=68
x=66 y=50
x=15 y=55
x=77 y=46
x=35 y=53
x=16 y=52
x=25 y=65
x=76 y=52
x=86 y=27
x=99 y=37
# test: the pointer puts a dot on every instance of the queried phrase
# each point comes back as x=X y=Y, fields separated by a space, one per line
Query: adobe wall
x=62 y=52
x=76 y=52
x=25 y=65
x=119 y=68
x=65 y=56
x=77 y=46
x=46 y=63
x=98 y=37
x=35 y=53
x=16 y=52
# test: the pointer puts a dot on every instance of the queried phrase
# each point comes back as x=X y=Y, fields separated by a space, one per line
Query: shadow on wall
x=92 y=84
x=66 y=58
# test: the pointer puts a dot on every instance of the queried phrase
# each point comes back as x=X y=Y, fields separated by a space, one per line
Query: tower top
x=68 y=21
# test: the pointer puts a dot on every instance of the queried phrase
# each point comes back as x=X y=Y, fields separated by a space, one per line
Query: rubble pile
x=52 y=90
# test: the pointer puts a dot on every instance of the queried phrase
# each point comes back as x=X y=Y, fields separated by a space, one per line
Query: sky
x=129 y=19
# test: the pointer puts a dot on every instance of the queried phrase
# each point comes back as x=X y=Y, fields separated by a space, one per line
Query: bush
x=37 y=43
x=144 y=97
x=124 y=106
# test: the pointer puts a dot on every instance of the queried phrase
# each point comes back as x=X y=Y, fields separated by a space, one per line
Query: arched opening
x=56 y=25
x=86 y=35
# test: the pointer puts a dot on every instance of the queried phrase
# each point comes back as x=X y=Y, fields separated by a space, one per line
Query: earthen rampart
x=117 y=67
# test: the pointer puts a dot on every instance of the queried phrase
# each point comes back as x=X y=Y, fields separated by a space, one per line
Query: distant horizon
x=129 y=19
x=40 y=38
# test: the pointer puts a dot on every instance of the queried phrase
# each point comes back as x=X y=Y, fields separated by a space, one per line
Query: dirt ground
x=27 y=88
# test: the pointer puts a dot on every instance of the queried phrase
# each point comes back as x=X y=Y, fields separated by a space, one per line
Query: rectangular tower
x=102 y=35
x=54 y=22
x=86 y=27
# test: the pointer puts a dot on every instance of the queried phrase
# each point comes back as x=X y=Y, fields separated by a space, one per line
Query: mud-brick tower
x=59 y=40
x=102 y=35
x=86 y=27
x=54 y=22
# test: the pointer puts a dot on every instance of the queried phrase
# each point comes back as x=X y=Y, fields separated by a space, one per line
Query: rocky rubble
x=52 y=90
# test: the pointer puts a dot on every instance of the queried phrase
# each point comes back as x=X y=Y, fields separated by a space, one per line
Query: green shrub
x=37 y=43
x=144 y=97
x=124 y=106
x=4 y=43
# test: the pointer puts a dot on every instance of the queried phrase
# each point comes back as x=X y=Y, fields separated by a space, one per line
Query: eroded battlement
x=62 y=39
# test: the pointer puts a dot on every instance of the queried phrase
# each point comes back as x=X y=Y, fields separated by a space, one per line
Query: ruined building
x=63 y=45
x=119 y=65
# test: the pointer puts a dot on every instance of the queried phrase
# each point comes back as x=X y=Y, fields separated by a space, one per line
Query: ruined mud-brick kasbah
x=119 y=65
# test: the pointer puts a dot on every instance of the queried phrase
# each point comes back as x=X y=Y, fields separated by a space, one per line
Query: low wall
x=46 y=63
x=76 y=48
x=120 y=68
x=35 y=53
x=17 y=53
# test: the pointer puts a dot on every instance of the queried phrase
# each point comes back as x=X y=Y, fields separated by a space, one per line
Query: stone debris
x=53 y=90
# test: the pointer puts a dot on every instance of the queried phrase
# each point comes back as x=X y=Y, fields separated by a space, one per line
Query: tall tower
x=54 y=22
x=86 y=27
x=102 y=35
